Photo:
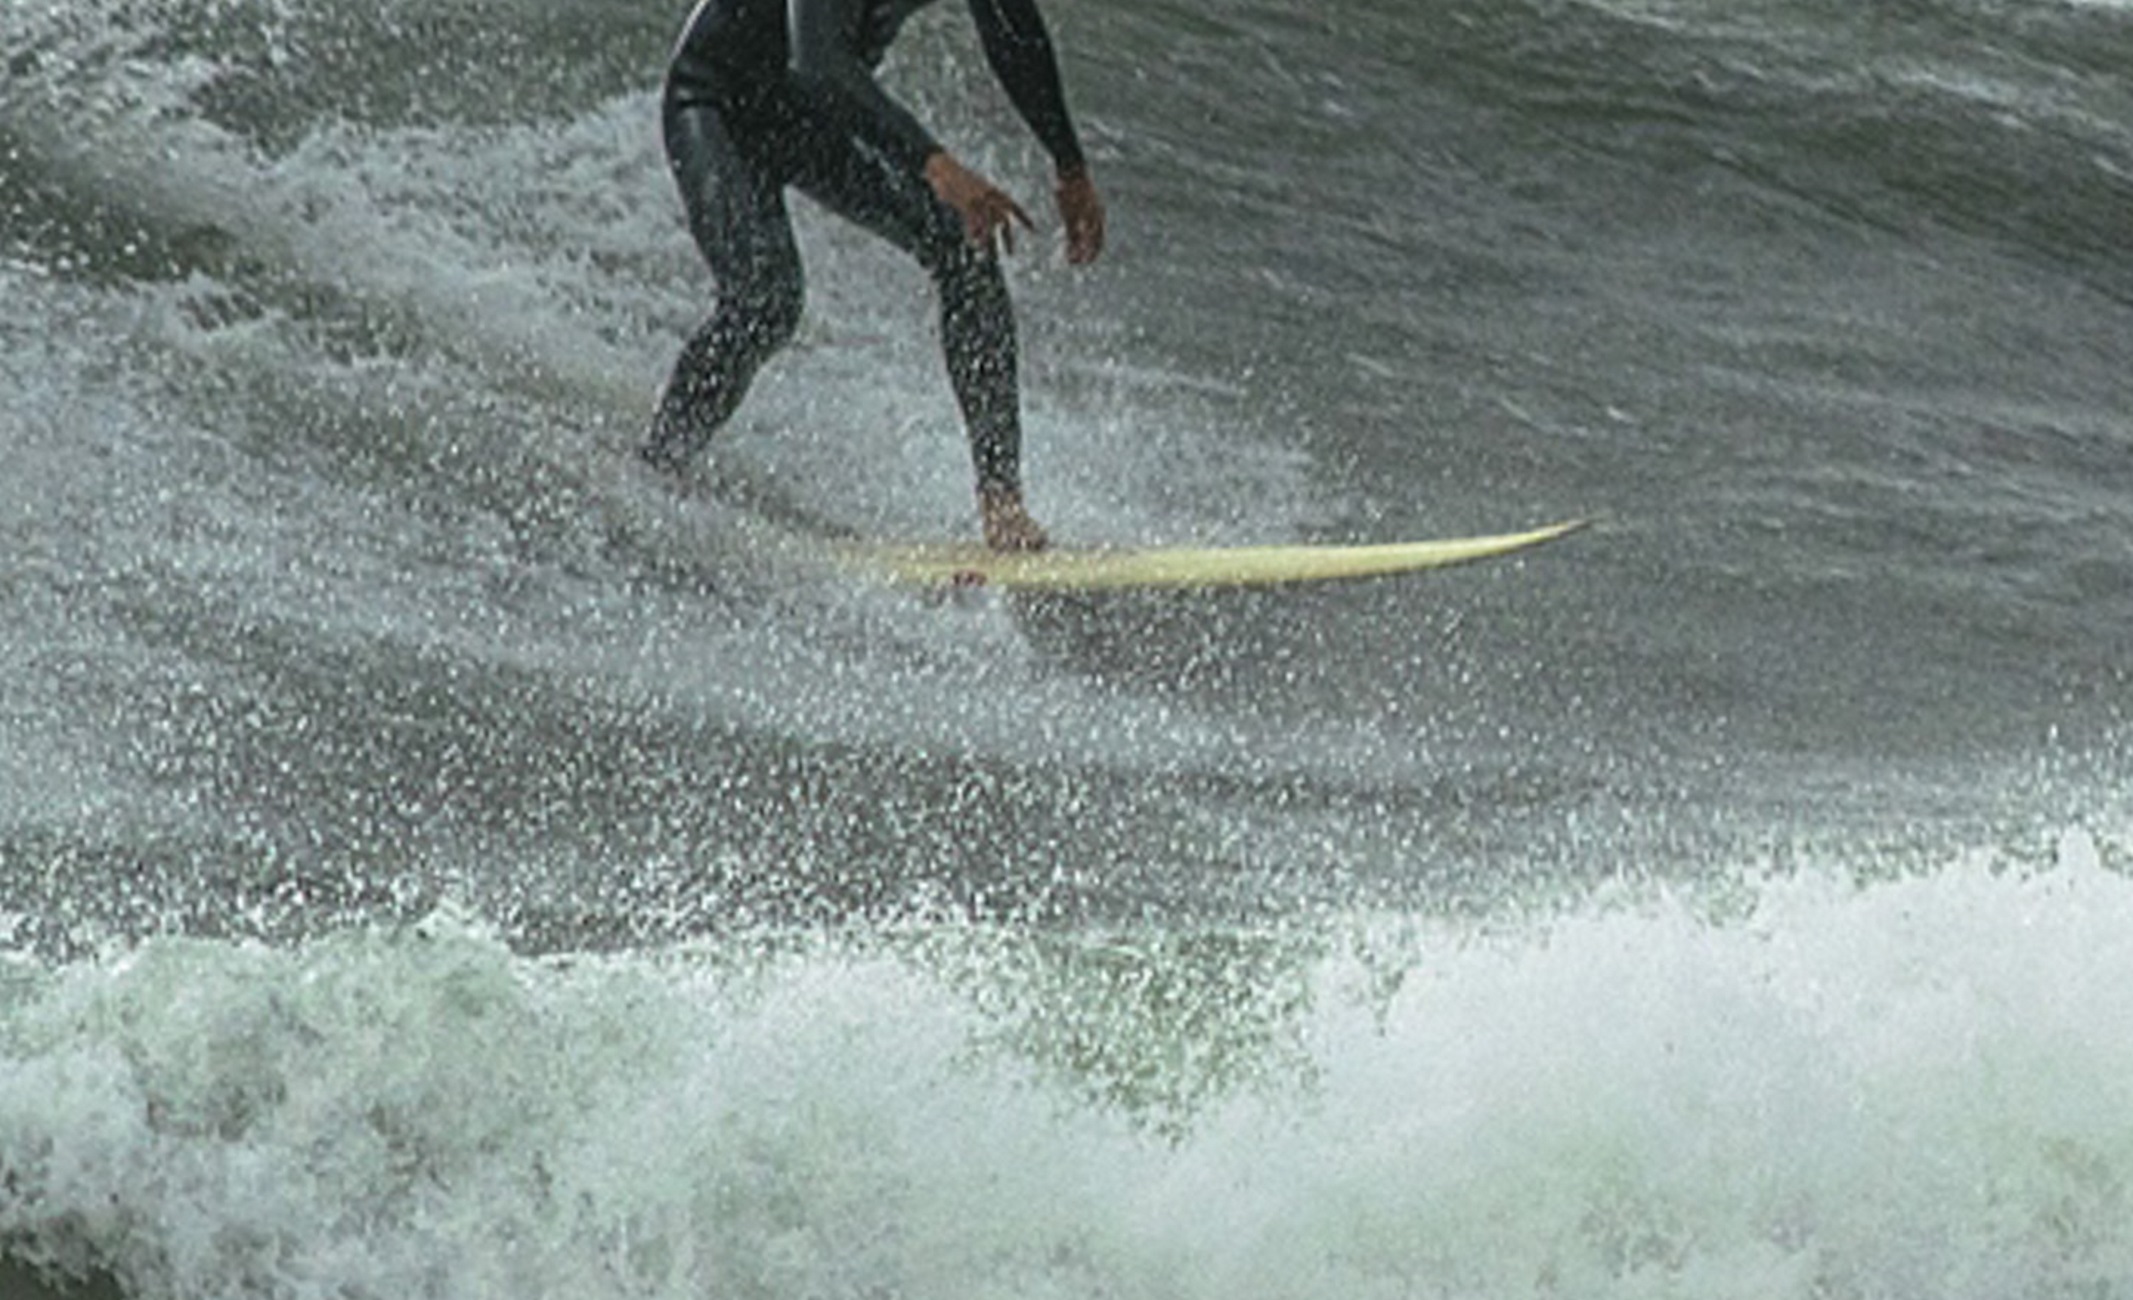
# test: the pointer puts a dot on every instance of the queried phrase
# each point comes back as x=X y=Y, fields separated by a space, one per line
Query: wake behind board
x=1105 y=568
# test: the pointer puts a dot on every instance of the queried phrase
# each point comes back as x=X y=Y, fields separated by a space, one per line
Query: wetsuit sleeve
x=825 y=58
x=1020 y=52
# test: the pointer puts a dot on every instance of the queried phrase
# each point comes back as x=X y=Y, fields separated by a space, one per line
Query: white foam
x=1918 y=1087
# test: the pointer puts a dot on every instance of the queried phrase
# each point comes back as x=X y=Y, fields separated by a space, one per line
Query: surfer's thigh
x=734 y=196
x=867 y=187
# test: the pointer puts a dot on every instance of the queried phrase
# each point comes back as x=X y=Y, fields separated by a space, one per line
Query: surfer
x=765 y=94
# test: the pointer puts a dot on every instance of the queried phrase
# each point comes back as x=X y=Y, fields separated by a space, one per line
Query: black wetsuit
x=765 y=94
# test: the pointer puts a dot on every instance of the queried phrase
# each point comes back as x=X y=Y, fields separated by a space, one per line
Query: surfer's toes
x=1008 y=526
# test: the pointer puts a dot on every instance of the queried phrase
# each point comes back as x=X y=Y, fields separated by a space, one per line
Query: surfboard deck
x=970 y=564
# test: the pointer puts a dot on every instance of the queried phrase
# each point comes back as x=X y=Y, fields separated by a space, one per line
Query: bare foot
x=1008 y=526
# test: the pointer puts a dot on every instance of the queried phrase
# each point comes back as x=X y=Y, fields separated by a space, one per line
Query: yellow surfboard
x=957 y=564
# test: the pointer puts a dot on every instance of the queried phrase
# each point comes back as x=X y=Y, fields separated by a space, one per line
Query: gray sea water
x=437 y=860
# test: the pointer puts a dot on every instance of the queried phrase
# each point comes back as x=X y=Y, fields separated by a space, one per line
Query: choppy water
x=435 y=860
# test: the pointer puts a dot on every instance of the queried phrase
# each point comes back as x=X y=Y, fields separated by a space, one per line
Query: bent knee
x=962 y=269
x=765 y=310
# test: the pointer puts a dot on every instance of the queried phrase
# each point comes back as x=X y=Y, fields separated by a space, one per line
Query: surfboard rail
x=971 y=564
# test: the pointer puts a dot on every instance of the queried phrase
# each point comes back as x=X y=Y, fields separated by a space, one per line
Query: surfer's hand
x=1081 y=209
x=1008 y=526
x=989 y=215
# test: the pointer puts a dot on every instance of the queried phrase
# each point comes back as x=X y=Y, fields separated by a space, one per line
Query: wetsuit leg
x=737 y=215
x=977 y=319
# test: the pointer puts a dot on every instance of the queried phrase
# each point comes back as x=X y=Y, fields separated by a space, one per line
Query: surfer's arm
x=1020 y=52
x=825 y=60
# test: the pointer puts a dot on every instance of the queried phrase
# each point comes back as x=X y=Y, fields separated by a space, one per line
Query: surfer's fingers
x=1002 y=214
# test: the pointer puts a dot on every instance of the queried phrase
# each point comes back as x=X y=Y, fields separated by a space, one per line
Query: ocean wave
x=1806 y=1088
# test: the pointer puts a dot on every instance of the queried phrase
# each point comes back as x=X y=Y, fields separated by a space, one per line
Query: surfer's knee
x=942 y=244
x=766 y=309
x=973 y=293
